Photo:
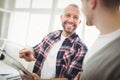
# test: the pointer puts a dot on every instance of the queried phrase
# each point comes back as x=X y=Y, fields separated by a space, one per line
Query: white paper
x=13 y=63
x=5 y=69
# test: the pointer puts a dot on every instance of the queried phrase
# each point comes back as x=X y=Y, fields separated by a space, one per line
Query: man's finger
x=77 y=77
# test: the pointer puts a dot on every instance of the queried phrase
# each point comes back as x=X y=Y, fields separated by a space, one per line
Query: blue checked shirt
x=69 y=57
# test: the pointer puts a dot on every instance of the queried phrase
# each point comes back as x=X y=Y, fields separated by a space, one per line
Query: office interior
x=24 y=23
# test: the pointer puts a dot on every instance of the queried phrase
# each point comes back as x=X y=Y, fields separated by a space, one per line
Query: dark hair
x=111 y=4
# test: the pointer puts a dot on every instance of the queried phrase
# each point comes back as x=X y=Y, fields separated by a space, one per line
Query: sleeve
x=39 y=47
x=76 y=64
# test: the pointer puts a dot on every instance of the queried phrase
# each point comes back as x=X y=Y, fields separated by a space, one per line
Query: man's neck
x=66 y=34
x=107 y=22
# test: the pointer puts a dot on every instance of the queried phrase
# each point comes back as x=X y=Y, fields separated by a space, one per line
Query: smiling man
x=61 y=53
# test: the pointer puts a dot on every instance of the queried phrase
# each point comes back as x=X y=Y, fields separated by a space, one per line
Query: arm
x=27 y=54
x=36 y=77
x=76 y=64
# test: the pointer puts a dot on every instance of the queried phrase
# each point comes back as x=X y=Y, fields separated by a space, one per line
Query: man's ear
x=79 y=21
x=93 y=4
x=61 y=17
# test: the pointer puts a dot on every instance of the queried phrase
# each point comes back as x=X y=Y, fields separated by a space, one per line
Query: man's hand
x=36 y=77
x=27 y=54
x=77 y=77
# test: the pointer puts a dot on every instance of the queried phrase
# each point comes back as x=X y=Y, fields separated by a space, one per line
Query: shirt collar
x=71 y=38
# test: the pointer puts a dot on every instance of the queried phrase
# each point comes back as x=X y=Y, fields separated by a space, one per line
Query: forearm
x=36 y=77
x=55 y=79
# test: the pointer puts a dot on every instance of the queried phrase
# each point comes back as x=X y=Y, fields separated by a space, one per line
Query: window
x=29 y=21
x=64 y=3
x=42 y=4
x=38 y=28
x=90 y=35
x=18 y=27
x=22 y=3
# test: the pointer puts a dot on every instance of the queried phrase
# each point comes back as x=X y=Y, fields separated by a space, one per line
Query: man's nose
x=71 y=19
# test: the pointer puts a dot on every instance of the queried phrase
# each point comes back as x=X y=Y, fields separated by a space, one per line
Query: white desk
x=8 y=72
x=2 y=78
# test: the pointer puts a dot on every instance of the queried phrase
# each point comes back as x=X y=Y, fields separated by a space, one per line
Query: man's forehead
x=71 y=8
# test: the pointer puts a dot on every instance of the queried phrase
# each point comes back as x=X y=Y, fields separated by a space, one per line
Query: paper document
x=6 y=69
x=9 y=60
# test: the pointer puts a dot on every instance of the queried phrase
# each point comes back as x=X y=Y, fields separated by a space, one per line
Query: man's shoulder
x=105 y=63
x=55 y=32
x=79 y=41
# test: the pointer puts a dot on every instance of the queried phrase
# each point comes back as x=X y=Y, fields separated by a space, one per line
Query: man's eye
x=75 y=17
x=67 y=15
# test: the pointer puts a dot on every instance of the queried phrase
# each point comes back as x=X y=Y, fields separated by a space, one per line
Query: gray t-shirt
x=104 y=64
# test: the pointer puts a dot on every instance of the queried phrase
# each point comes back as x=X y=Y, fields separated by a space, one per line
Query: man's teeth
x=69 y=24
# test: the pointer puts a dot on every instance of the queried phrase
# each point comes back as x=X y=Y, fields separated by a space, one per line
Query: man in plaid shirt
x=61 y=53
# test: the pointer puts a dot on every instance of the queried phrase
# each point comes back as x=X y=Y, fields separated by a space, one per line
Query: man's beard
x=73 y=26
